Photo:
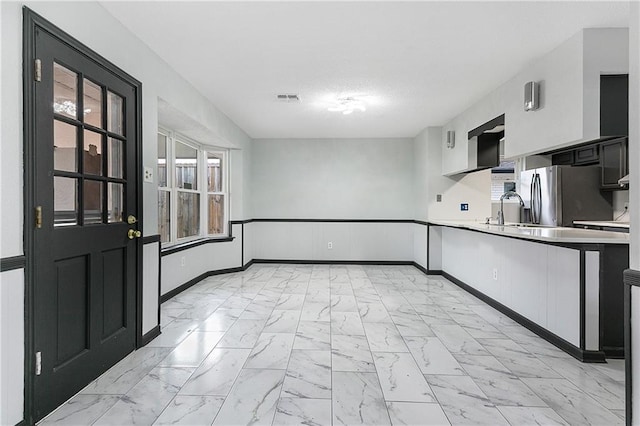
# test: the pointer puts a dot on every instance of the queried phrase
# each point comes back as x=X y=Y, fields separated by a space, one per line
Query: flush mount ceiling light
x=347 y=105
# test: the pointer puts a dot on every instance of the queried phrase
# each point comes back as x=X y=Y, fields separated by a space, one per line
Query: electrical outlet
x=183 y=261
x=464 y=207
x=495 y=274
x=438 y=198
x=330 y=245
x=148 y=174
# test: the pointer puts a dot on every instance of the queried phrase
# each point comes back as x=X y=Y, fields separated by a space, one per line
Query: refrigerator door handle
x=536 y=198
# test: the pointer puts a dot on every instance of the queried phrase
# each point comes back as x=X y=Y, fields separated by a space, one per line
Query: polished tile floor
x=343 y=344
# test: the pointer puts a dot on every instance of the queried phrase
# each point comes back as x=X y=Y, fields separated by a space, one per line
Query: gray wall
x=332 y=178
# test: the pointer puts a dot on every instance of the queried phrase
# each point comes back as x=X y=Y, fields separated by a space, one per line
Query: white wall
x=150 y=272
x=351 y=241
x=332 y=178
x=472 y=188
x=11 y=346
x=199 y=260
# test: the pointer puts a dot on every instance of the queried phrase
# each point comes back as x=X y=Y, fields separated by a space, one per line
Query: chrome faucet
x=507 y=195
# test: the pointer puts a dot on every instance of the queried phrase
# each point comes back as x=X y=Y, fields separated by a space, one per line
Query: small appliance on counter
x=560 y=195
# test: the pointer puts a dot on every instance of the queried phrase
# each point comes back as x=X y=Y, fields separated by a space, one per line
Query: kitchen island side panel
x=539 y=281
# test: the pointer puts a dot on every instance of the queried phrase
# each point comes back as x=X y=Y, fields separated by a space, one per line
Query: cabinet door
x=586 y=155
x=613 y=159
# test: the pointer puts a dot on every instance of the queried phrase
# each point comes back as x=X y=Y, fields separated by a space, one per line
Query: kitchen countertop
x=548 y=234
x=605 y=223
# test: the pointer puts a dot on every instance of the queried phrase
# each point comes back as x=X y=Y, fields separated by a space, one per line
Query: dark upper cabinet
x=581 y=156
x=614 y=162
x=614 y=105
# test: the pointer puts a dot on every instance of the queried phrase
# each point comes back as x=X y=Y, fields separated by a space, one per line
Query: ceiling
x=419 y=64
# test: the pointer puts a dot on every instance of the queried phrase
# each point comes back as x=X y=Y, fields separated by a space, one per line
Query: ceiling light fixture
x=347 y=105
x=68 y=107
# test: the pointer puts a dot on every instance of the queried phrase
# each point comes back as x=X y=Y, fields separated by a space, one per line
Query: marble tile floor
x=344 y=344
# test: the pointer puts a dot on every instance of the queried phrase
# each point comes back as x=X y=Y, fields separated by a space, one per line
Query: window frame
x=202 y=190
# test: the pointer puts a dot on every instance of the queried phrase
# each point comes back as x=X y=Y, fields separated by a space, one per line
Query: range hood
x=484 y=145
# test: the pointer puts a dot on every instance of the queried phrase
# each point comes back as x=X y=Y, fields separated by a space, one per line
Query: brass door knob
x=132 y=233
x=131 y=219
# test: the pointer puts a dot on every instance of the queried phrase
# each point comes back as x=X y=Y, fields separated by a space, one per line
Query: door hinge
x=38 y=363
x=38 y=70
x=39 y=217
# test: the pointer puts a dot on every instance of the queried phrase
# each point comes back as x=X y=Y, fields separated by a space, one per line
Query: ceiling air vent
x=288 y=98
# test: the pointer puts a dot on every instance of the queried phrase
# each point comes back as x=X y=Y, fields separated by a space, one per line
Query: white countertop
x=607 y=223
x=557 y=235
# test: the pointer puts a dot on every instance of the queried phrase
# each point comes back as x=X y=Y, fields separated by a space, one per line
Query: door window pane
x=65 y=152
x=115 y=202
x=65 y=91
x=92 y=201
x=115 y=157
x=115 y=114
x=188 y=214
x=186 y=166
x=92 y=103
x=92 y=153
x=164 y=213
x=162 y=160
x=65 y=201
x=216 y=214
x=214 y=172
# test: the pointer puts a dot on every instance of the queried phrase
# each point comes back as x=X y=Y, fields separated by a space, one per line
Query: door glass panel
x=92 y=201
x=162 y=160
x=115 y=114
x=65 y=91
x=92 y=103
x=92 y=153
x=216 y=214
x=65 y=151
x=214 y=172
x=186 y=166
x=115 y=202
x=188 y=214
x=115 y=157
x=65 y=201
x=164 y=204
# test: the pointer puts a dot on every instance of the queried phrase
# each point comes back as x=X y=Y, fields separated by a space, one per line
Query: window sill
x=194 y=243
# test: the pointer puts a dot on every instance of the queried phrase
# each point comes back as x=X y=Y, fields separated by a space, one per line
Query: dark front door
x=84 y=256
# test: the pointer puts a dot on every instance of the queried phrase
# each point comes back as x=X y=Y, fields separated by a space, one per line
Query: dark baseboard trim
x=421 y=268
x=151 y=239
x=434 y=272
x=149 y=336
x=613 y=353
x=576 y=352
x=11 y=263
x=191 y=244
x=247 y=265
x=334 y=220
x=21 y=423
x=196 y=280
x=334 y=262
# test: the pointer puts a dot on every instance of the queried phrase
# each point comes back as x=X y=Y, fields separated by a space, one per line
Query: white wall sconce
x=451 y=139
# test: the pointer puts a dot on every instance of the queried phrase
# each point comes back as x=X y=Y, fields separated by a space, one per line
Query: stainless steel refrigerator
x=558 y=195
